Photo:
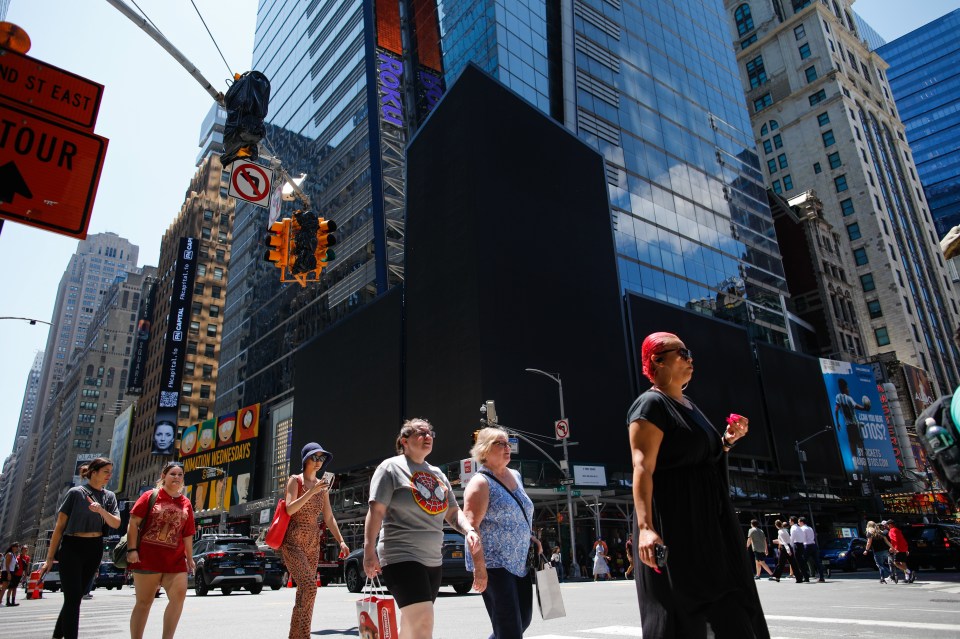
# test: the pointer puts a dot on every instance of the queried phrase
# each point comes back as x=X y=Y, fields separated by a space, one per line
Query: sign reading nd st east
x=47 y=90
x=49 y=172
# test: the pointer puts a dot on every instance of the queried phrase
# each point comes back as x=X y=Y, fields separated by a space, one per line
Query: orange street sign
x=48 y=90
x=48 y=172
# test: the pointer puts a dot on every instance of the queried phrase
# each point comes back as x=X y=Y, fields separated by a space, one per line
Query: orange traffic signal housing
x=278 y=244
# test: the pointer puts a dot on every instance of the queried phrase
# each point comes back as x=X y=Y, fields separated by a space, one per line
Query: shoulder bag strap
x=515 y=498
x=153 y=500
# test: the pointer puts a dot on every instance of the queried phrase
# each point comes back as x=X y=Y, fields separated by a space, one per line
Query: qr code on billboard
x=168 y=399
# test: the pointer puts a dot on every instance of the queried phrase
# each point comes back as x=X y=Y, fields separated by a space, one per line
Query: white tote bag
x=548 y=593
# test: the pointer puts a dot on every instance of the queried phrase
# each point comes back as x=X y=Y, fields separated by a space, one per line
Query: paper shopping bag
x=548 y=594
x=377 y=618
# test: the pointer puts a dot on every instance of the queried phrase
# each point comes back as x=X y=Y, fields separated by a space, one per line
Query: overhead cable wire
x=214 y=40
x=146 y=17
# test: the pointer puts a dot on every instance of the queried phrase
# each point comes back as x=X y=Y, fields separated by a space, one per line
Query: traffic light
x=325 y=239
x=476 y=434
x=278 y=243
x=303 y=252
x=246 y=103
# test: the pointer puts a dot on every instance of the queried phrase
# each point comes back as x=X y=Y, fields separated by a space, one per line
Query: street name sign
x=47 y=90
x=49 y=171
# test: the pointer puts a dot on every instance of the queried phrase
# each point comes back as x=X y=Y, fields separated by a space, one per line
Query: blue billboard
x=858 y=421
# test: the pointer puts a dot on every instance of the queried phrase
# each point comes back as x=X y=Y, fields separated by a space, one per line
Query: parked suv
x=934 y=546
x=227 y=562
x=110 y=576
x=275 y=576
x=454 y=570
x=51 y=580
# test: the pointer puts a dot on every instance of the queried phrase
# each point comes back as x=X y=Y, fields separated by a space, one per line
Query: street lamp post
x=803 y=476
x=566 y=471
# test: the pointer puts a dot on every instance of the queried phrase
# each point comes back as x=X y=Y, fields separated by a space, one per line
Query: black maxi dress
x=708 y=578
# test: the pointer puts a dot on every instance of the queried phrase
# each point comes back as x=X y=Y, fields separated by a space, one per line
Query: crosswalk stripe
x=617 y=631
x=913 y=625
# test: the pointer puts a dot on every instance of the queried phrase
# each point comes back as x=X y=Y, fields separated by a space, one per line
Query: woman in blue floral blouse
x=498 y=507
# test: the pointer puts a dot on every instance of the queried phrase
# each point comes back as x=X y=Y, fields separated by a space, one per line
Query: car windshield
x=838 y=544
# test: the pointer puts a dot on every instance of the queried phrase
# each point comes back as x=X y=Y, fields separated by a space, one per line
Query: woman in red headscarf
x=682 y=501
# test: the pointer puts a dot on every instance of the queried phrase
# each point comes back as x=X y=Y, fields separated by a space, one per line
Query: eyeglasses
x=319 y=458
x=501 y=443
x=684 y=353
x=421 y=434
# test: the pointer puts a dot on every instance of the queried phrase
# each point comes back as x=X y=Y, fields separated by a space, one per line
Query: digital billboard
x=219 y=459
x=858 y=420
x=118 y=448
x=175 y=348
x=139 y=357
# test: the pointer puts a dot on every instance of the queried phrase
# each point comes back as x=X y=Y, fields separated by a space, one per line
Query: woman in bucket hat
x=307 y=498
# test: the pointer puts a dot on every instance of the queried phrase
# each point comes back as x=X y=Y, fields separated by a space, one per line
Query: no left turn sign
x=250 y=182
x=562 y=428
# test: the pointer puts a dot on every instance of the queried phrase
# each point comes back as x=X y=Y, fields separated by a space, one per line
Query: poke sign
x=250 y=182
x=429 y=493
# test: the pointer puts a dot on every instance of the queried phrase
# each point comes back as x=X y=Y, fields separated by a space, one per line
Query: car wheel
x=255 y=589
x=119 y=587
x=199 y=585
x=462 y=589
x=352 y=577
x=274 y=587
x=850 y=565
x=226 y=591
x=939 y=567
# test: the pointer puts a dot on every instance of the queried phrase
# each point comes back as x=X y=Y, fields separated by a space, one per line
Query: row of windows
x=204 y=390
x=215 y=291
x=208 y=349
x=195 y=329
x=214 y=310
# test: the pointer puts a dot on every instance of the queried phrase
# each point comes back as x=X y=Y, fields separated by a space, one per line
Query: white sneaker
x=88 y=596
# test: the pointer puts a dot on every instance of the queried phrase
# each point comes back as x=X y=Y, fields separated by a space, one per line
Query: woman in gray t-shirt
x=409 y=501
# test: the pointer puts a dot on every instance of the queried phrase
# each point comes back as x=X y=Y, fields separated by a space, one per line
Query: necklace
x=683 y=401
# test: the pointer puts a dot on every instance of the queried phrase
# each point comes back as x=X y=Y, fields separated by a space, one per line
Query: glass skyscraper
x=925 y=81
x=654 y=87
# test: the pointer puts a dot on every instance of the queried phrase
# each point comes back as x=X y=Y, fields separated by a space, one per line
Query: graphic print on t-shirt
x=164 y=525
x=429 y=493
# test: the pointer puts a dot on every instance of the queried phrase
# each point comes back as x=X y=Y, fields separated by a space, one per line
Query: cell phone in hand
x=660 y=552
x=328 y=477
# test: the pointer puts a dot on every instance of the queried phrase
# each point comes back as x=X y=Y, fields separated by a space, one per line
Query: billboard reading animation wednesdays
x=858 y=421
x=219 y=456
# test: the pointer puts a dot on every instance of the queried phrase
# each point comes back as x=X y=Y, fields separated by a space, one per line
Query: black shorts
x=900 y=557
x=759 y=556
x=411 y=582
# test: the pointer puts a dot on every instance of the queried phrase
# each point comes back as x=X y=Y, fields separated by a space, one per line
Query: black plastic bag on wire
x=939 y=434
x=246 y=102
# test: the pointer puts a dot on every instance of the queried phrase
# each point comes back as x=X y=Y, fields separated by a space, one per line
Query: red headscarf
x=653 y=343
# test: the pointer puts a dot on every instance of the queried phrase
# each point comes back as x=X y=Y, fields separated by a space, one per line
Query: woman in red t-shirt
x=161 y=552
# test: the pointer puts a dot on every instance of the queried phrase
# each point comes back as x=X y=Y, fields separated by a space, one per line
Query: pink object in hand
x=733 y=418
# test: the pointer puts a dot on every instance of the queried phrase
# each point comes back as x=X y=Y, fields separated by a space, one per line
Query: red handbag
x=278 y=528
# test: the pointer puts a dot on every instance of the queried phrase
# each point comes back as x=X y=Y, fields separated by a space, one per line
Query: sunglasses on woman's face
x=422 y=434
x=684 y=353
x=501 y=443
x=318 y=458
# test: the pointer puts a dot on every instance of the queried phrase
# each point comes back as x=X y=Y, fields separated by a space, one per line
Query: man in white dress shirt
x=810 y=549
x=798 y=539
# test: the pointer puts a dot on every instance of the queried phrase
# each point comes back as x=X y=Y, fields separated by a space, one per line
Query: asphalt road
x=853 y=605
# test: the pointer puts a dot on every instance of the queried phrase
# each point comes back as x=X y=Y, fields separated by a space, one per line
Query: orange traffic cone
x=319 y=582
x=289 y=581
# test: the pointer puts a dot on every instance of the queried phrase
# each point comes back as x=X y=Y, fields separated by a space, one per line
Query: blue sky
x=151 y=113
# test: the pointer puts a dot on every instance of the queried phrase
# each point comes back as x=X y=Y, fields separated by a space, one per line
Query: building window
x=194 y=328
x=823 y=119
x=866 y=282
x=198 y=289
x=204 y=391
x=804 y=50
x=834 y=159
x=201 y=269
x=215 y=292
x=184 y=410
x=799 y=4
x=772 y=166
x=810 y=73
x=767 y=147
x=208 y=371
x=816 y=167
x=883 y=338
x=782 y=160
x=776 y=187
x=853 y=231
x=873 y=306
x=787 y=183
x=847 y=207
x=211 y=330
x=217 y=273
x=828 y=138
x=746 y=43
x=208 y=215
x=818 y=97
x=800 y=33
x=191 y=348
x=860 y=256
x=214 y=310
x=196 y=308
x=756 y=72
x=202 y=412
x=189 y=367
x=208 y=350
x=744 y=19
x=205 y=233
x=222 y=237
x=840 y=182
x=762 y=102
x=187 y=389
x=777 y=141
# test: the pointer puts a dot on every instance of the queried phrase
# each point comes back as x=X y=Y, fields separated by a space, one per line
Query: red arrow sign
x=48 y=90
x=54 y=170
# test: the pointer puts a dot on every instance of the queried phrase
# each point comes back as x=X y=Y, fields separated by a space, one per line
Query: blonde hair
x=409 y=428
x=871 y=528
x=485 y=438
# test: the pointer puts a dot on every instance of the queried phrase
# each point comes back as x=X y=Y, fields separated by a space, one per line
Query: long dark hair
x=94 y=466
